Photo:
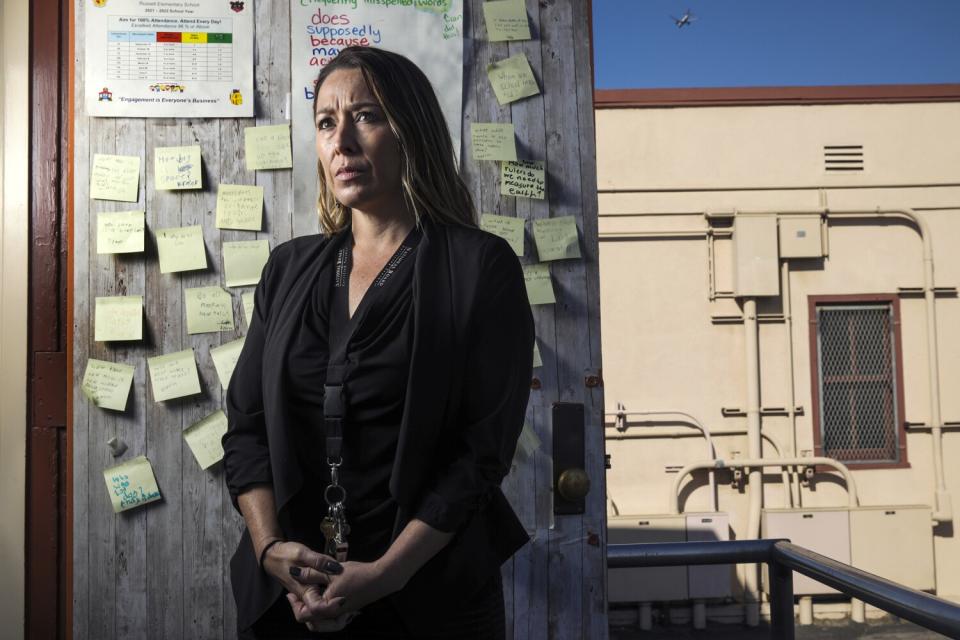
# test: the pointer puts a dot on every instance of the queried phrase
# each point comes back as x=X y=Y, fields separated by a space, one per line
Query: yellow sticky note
x=107 y=384
x=131 y=484
x=508 y=228
x=181 y=249
x=247 y=299
x=173 y=375
x=115 y=177
x=204 y=438
x=120 y=232
x=225 y=359
x=556 y=238
x=512 y=79
x=539 y=284
x=506 y=20
x=493 y=141
x=209 y=309
x=243 y=261
x=240 y=206
x=267 y=147
x=118 y=318
x=537 y=360
x=177 y=167
x=523 y=179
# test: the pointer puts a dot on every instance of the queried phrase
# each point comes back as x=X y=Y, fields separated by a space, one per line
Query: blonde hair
x=432 y=186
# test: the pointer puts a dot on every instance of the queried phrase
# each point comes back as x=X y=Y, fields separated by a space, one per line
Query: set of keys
x=334 y=526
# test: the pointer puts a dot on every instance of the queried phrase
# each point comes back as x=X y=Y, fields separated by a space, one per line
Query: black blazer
x=466 y=398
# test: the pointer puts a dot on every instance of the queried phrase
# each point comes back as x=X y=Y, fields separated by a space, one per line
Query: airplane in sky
x=685 y=20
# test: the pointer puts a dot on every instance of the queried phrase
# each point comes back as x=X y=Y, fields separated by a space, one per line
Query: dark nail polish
x=295 y=572
x=332 y=566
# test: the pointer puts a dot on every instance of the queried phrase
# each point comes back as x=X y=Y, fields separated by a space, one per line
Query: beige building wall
x=660 y=170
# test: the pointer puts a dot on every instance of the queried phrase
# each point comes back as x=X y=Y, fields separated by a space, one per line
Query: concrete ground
x=879 y=630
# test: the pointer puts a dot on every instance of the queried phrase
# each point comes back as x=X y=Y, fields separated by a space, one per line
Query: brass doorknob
x=573 y=484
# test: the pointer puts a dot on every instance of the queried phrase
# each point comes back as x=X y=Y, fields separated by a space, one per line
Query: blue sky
x=736 y=43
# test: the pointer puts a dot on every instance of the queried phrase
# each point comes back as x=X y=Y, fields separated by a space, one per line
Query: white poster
x=428 y=32
x=169 y=58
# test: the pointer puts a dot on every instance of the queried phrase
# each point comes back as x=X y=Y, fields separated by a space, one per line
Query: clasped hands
x=323 y=593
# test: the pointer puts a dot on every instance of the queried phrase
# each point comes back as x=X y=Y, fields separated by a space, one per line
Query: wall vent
x=843 y=158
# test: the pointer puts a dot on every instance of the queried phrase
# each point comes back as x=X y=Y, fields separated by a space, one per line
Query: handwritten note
x=512 y=79
x=247 y=299
x=107 y=384
x=204 y=436
x=508 y=228
x=524 y=179
x=243 y=261
x=240 y=206
x=209 y=309
x=173 y=375
x=118 y=318
x=539 y=284
x=493 y=141
x=268 y=147
x=225 y=359
x=115 y=177
x=177 y=167
x=181 y=249
x=120 y=232
x=556 y=238
x=537 y=360
x=506 y=20
x=131 y=484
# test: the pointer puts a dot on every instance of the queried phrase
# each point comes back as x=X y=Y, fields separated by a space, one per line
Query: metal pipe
x=754 y=448
x=781 y=601
x=787 y=306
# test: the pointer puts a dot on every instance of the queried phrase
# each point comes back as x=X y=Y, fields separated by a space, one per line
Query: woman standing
x=382 y=386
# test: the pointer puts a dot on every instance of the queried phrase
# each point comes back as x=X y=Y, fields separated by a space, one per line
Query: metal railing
x=783 y=558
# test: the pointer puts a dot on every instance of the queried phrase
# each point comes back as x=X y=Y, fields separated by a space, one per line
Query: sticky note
x=493 y=141
x=512 y=79
x=118 y=318
x=131 y=484
x=508 y=228
x=120 y=232
x=204 y=436
x=537 y=360
x=115 y=177
x=107 y=384
x=240 y=206
x=243 y=261
x=181 y=249
x=506 y=20
x=556 y=238
x=173 y=375
x=209 y=309
x=267 y=147
x=247 y=299
x=523 y=178
x=527 y=443
x=225 y=359
x=177 y=168
x=539 y=284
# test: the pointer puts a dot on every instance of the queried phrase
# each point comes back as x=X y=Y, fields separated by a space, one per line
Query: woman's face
x=357 y=150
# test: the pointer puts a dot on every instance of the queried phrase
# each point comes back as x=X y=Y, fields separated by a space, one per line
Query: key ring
x=326 y=495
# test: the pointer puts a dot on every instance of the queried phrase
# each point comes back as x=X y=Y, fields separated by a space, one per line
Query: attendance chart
x=169 y=58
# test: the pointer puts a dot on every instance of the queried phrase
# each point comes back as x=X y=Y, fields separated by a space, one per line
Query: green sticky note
x=493 y=141
x=556 y=238
x=523 y=179
x=177 y=168
x=240 y=206
x=225 y=359
x=247 y=299
x=506 y=20
x=539 y=284
x=204 y=436
x=173 y=375
x=107 y=384
x=512 y=79
x=537 y=360
x=267 y=147
x=181 y=249
x=131 y=484
x=243 y=261
x=118 y=318
x=508 y=228
x=527 y=443
x=120 y=232
x=115 y=177
x=209 y=309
